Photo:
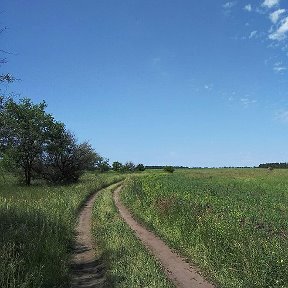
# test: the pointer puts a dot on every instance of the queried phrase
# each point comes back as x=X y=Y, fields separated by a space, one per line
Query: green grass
x=232 y=223
x=37 y=229
x=128 y=263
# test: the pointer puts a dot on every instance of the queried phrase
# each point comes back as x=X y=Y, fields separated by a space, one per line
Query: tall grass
x=128 y=262
x=232 y=223
x=37 y=230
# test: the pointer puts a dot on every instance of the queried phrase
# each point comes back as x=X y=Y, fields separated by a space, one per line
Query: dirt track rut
x=181 y=273
x=87 y=272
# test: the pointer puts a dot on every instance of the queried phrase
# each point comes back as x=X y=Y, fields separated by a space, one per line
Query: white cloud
x=248 y=7
x=252 y=34
x=279 y=67
x=280 y=33
x=270 y=3
x=229 y=5
x=247 y=101
x=274 y=17
x=208 y=87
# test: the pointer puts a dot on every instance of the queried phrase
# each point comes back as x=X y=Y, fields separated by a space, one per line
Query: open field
x=128 y=263
x=232 y=223
x=36 y=230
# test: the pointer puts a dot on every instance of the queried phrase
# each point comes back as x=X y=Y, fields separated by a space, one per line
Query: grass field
x=128 y=263
x=233 y=223
x=36 y=230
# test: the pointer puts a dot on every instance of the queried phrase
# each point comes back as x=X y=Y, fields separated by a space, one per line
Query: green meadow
x=232 y=223
x=37 y=229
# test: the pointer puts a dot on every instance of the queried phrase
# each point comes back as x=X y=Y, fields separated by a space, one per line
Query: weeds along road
x=180 y=272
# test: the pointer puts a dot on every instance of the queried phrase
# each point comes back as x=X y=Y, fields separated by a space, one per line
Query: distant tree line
x=162 y=167
x=34 y=145
x=276 y=165
x=127 y=167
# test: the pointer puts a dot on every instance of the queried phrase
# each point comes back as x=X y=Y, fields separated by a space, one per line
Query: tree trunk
x=28 y=176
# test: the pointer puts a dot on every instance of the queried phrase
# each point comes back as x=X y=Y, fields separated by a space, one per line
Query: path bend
x=178 y=271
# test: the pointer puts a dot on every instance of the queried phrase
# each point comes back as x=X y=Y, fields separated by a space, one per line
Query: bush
x=117 y=166
x=140 y=167
x=128 y=167
x=169 y=169
x=103 y=165
x=66 y=161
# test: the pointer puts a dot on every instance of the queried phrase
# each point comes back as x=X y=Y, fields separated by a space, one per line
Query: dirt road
x=86 y=270
x=180 y=272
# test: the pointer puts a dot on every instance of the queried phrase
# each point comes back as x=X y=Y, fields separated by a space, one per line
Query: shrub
x=169 y=169
x=117 y=166
x=66 y=160
x=128 y=167
x=140 y=167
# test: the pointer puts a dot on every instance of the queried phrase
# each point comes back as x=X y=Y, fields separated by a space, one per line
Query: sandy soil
x=181 y=273
x=86 y=270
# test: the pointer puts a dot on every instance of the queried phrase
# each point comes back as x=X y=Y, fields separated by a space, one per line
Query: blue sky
x=194 y=83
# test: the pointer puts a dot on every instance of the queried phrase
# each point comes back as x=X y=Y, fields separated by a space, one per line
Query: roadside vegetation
x=37 y=229
x=232 y=223
x=128 y=263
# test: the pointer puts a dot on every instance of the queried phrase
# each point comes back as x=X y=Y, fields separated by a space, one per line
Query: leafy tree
x=6 y=77
x=117 y=166
x=64 y=160
x=128 y=167
x=103 y=165
x=140 y=167
x=23 y=134
x=33 y=144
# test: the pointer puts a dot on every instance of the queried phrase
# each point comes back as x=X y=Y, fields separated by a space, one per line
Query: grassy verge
x=128 y=263
x=37 y=230
x=232 y=223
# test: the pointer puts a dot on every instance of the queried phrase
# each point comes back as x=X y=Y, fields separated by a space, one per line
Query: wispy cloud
x=274 y=17
x=270 y=3
x=279 y=67
x=208 y=87
x=253 y=34
x=275 y=34
x=280 y=33
x=247 y=101
x=229 y=5
x=248 y=7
